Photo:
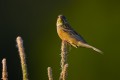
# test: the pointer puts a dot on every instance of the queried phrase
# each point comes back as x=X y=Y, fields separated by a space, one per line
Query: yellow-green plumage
x=67 y=33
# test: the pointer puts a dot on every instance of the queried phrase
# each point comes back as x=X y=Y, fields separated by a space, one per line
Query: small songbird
x=68 y=34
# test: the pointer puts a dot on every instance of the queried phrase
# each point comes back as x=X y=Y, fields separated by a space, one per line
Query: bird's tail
x=89 y=46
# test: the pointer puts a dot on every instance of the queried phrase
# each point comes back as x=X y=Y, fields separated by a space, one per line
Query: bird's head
x=61 y=20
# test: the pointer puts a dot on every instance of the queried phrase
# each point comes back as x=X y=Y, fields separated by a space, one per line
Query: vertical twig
x=22 y=57
x=64 y=64
x=63 y=53
x=50 y=73
x=4 y=70
x=65 y=71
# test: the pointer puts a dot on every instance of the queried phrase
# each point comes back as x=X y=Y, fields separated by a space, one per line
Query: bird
x=68 y=34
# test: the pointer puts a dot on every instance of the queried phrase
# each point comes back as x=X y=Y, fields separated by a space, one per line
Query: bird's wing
x=71 y=31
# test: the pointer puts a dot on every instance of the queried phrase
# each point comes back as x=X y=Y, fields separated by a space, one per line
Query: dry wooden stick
x=64 y=72
x=50 y=73
x=64 y=64
x=63 y=53
x=22 y=57
x=4 y=70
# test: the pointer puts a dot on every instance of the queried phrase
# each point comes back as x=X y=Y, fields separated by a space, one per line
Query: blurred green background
x=35 y=21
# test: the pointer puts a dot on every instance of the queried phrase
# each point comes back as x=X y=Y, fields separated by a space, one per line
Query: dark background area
x=35 y=21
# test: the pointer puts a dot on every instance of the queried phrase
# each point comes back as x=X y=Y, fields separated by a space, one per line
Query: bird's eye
x=63 y=17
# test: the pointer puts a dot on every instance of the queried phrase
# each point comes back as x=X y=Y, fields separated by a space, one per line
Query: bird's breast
x=62 y=34
x=65 y=35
